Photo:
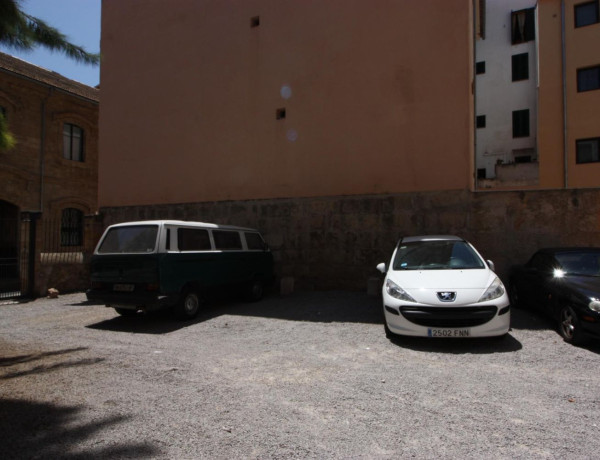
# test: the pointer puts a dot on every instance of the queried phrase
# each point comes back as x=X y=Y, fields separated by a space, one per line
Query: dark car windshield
x=436 y=255
x=130 y=239
x=582 y=263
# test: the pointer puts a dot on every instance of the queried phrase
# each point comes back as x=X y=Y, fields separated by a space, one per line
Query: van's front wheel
x=189 y=305
x=255 y=291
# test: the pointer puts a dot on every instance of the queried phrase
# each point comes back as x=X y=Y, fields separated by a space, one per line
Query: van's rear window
x=134 y=239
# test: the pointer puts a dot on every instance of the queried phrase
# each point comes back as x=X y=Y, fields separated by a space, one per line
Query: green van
x=151 y=265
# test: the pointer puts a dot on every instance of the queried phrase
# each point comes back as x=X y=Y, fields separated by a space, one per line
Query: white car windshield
x=436 y=255
x=130 y=239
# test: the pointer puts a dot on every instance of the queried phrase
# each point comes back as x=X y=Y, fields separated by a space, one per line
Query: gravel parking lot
x=311 y=375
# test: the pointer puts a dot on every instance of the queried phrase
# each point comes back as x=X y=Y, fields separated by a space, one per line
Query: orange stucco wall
x=582 y=49
x=379 y=99
x=550 y=99
x=583 y=110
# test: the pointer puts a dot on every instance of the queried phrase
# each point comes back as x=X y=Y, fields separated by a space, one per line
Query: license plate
x=449 y=332
x=123 y=287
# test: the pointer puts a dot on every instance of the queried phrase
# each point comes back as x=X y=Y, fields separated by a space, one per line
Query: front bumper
x=484 y=320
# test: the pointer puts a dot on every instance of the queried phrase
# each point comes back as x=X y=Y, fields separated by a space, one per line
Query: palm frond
x=7 y=141
x=22 y=31
x=51 y=38
x=13 y=26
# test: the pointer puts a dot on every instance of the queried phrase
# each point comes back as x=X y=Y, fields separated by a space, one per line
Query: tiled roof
x=47 y=77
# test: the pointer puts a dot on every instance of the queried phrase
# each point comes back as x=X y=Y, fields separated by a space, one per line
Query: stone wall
x=336 y=242
x=65 y=268
x=63 y=276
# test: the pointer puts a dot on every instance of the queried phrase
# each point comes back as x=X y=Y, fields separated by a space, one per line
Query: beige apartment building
x=534 y=120
x=335 y=127
x=569 y=93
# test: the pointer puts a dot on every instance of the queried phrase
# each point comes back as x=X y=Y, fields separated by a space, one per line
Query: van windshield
x=133 y=239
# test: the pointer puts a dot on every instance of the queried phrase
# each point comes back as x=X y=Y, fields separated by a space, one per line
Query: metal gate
x=15 y=253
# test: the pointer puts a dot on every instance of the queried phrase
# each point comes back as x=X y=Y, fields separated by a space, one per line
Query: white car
x=440 y=286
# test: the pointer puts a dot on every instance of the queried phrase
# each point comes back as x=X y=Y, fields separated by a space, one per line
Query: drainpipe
x=564 y=90
x=42 y=147
x=474 y=94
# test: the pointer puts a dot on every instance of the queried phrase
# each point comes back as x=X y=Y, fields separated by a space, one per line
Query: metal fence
x=32 y=242
x=62 y=241
x=15 y=258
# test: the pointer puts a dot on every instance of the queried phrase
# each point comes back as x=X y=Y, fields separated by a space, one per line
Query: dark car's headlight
x=594 y=305
x=397 y=292
x=495 y=290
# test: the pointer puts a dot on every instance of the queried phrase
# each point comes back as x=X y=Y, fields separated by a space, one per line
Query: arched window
x=72 y=142
x=71 y=227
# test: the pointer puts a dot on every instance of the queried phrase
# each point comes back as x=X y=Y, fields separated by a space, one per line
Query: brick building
x=48 y=181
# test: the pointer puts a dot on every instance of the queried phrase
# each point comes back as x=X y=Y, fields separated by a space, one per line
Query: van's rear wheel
x=189 y=305
x=255 y=291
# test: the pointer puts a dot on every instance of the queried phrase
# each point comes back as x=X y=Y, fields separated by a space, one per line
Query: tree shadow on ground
x=4 y=362
x=42 y=430
x=43 y=357
x=309 y=306
x=50 y=368
x=39 y=429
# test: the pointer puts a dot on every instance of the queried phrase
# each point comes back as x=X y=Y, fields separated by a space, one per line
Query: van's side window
x=193 y=239
x=254 y=241
x=225 y=240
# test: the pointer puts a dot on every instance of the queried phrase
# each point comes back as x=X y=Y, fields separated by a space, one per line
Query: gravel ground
x=311 y=375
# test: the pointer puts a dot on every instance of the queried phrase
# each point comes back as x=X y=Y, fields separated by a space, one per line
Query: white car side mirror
x=491 y=265
x=381 y=267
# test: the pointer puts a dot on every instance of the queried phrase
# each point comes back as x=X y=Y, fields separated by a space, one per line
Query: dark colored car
x=564 y=283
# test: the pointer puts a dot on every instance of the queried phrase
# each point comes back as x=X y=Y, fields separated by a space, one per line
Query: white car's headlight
x=495 y=290
x=594 y=305
x=397 y=292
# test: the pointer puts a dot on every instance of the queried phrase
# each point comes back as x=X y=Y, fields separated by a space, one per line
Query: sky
x=79 y=20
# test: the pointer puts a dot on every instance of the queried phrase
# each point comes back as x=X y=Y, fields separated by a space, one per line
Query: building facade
x=337 y=126
x=48 y=181
x=569 y=93
x=271 y=99
x=537 y=76
x=506 y=94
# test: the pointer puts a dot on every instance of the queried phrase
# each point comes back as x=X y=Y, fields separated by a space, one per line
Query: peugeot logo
x=447 y=296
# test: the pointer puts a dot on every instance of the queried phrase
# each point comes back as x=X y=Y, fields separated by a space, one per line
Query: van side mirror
x=491 y=265
x=381 y=267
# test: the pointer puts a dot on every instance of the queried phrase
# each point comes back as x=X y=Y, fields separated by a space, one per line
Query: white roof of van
x=413 y=239
x=183 y=223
